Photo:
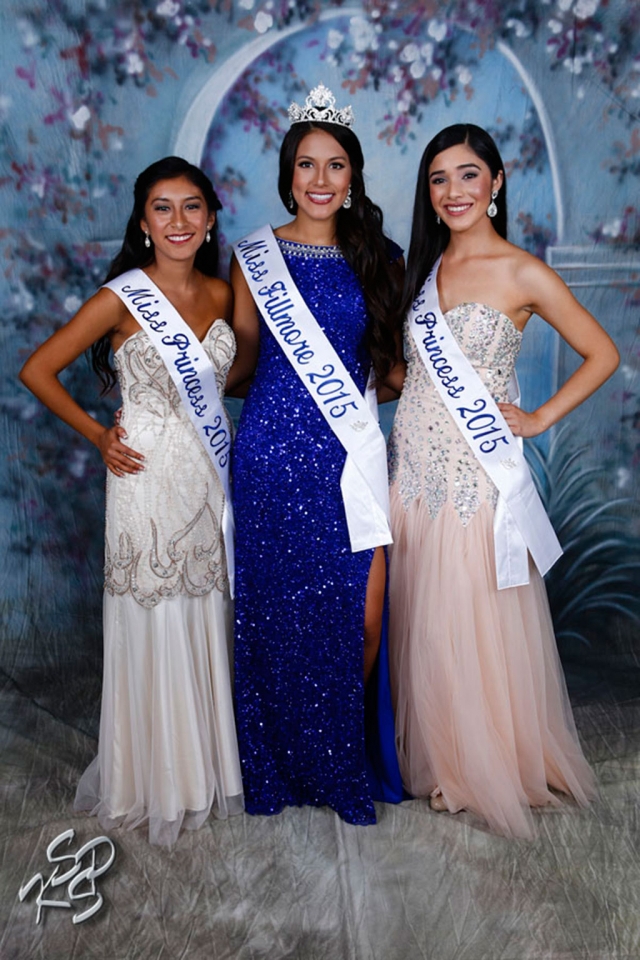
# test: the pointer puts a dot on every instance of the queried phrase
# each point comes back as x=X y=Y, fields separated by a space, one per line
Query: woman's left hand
x=521 y=423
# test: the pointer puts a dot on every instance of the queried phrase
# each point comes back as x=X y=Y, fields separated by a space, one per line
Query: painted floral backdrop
x=94 y=90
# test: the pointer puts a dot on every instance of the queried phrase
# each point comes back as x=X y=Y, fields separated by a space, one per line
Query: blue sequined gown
x=300 y=592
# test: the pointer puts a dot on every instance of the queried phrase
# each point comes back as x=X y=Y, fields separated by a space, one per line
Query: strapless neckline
x=484 y=306
x=142 y=331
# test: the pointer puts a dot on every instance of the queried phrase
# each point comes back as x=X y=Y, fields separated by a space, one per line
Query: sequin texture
x=300 y=591
x=428 y=457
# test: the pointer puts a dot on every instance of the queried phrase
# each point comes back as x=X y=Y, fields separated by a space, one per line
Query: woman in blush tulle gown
x=167 y=751
x=310 y=612
x=483 y=720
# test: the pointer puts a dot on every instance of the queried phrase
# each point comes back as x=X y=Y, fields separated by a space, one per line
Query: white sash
x=520 y=519
x=193 y=375
x=354 y=421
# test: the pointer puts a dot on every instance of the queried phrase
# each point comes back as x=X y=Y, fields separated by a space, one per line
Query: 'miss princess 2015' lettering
x=137 y=297
x=183 y=350
x=437 y=359
x=481 y=427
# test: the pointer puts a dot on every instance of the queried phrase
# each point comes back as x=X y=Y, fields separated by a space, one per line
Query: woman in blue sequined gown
x=309 y=612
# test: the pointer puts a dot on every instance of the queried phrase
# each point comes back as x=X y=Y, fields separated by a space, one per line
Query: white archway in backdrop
x=192 y=135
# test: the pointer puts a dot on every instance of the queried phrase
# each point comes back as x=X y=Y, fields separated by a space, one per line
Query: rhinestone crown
x=321 y=105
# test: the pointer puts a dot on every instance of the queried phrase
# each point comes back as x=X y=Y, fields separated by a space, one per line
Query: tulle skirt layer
x=167 y=753
x=482 y=710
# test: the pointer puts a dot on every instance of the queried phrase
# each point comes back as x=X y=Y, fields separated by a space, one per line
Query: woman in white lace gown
x=167 y=750
x=483 y=720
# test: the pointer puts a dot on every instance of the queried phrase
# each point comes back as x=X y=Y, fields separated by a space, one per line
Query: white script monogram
x=79 y=878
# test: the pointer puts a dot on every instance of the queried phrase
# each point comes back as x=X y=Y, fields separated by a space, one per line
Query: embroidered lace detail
x=428 y=457
x=192 y=567
x=163 y=534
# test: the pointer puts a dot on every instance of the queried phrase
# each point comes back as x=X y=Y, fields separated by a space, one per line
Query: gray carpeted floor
x=305 y=886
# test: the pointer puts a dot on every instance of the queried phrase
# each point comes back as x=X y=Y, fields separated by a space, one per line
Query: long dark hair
x=134 y=253
x=360 y=237
x=428 y=238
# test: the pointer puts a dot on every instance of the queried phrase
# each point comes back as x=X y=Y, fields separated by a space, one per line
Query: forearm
x=242 y=369
x=48 y=389
x=386 y=394
x=238 y=389
x=391 y=387
x=589 y=376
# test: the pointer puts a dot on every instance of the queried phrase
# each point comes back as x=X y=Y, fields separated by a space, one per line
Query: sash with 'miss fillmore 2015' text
x=193 y=375
x=352 y=418
x=521 y=522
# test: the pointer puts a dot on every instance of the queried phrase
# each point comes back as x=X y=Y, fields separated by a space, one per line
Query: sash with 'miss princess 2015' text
x=193 y=375
x=352 y=418
x=521 y=522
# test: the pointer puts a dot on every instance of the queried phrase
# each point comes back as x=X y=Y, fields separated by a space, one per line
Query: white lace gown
x=167 y=752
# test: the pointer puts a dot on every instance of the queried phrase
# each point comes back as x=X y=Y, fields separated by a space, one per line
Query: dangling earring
x=347 y=199
x=492 y=209
x=437 y=219
x=208 y=237
x=291 y=204
x=147 y=239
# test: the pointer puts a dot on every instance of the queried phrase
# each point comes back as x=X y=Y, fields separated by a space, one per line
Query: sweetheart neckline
x=478 y=303
x=142 y=330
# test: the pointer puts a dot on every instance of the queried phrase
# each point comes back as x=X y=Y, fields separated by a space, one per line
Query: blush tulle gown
x=482 y=711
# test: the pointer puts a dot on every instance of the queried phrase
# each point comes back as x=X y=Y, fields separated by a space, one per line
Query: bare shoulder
x=236 y=276
x=105 y=299
x=221 y=296
x=104 y=307
x=526 y=264
x=532 y=275
x=217 y=287
x=545 y=293
x=101 y=315
x=286 y=231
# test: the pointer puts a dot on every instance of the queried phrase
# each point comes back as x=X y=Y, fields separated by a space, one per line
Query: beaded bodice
x=145 y=384
x=334 y=296
x=428 y=457
x=163 y=525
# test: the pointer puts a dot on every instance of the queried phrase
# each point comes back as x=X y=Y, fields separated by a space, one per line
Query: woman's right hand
x=118 y=457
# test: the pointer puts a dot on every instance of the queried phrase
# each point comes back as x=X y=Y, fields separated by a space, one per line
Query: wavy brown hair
x=134 y=253
x=361 y=240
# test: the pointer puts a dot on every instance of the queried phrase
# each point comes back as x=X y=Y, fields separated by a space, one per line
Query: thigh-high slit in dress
x=300 y=598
